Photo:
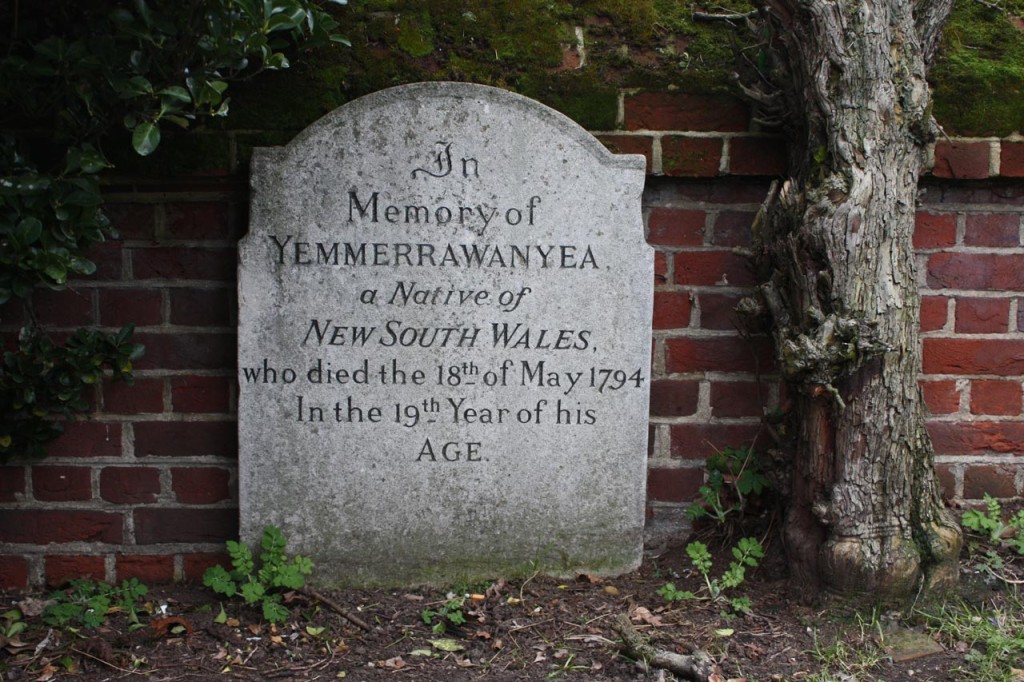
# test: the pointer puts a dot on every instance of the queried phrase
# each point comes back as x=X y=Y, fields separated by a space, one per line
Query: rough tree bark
x=834 y=250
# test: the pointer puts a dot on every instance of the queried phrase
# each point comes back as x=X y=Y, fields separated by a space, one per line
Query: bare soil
x=535 y=629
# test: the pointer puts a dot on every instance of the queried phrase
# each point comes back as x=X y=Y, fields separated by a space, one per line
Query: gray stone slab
x=444 y=342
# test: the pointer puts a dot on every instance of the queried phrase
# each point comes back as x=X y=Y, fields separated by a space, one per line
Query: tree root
x=698 y=666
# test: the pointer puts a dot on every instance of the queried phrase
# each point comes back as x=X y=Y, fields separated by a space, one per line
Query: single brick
x=941 y=397
x=149 y=569
x=61 y=483
x=700 y=441
x=203 y=307
x=188 y=263
x=732 y=228
x=962 y=160
x=718 y=354
x=629 y=144
x=976 y=438
x=992 y=229
x=660 y=268
x=60 y=569
x=672 y=309
x=758 y=156
x=195 y=485
x=142 y=396
x=738 y=399
x=194 y=565
x=973 y=356
x=71 y=307
x=154 y=526
x=191 y=394
x=12 y=483
x=132 y=221
x=214 y=350
x=934 y=230
x=718 y=311
x=43 y=526
x=141 y=307
x=674 y=398
x=995 y=397
x=684 y=111
x=186 y=439
x=13 y=572
x=129 y=485
x=695 y=157
x=198 y=220
x=1011 y=159
x=109 y=260
x=676 y=227
x=982 y=315
x=712 y=268
x=976 y=271
x=991 y=479
x=934 y=311
x=88 y=439
x=673 y=485
x=947 y=480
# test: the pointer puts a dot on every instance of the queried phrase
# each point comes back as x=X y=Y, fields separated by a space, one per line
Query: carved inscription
x=375 y=326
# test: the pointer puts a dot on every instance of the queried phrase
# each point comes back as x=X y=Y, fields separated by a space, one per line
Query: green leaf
x=145 y=138
x=177 y=93
x=28 y=231
x=446 y=644
x=274 y=612
x=57 y=272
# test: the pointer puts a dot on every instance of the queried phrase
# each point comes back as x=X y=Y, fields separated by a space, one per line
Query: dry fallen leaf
x=161 y=626
x=642 y=614
x=31 y=607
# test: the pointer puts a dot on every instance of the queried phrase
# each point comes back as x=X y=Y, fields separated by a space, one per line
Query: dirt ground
x=535 y=629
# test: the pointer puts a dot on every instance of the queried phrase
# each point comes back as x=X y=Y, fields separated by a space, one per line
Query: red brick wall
x=147 y=486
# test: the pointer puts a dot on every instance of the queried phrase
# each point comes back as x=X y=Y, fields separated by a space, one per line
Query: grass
x=990 y=634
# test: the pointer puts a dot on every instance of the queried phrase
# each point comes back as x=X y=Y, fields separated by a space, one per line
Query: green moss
x=978 y=78
x=579 y=95
x=415 y=34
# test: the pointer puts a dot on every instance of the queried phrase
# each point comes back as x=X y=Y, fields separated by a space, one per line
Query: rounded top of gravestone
x=421 y=98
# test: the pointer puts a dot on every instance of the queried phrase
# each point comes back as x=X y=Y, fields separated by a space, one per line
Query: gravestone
x=444 y=342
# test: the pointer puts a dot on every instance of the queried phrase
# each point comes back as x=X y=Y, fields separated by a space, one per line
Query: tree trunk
x=834 y=248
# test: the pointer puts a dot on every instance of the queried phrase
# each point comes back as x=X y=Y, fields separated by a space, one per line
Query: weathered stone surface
x=444 y=342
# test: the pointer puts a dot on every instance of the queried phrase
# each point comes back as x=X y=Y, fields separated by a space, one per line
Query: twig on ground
x=697 y=666
x=334 y=606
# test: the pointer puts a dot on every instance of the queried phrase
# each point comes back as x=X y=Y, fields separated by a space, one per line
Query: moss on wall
x=531 y=47
x=528 y=46
x=978 y=79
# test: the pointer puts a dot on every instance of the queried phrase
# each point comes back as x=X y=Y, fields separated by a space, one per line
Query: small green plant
x=11 y=625
x=990 y=524
x=262 y=587
x=449 y=613
x=88 y=603
x=747 y=552
x=734 y=476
